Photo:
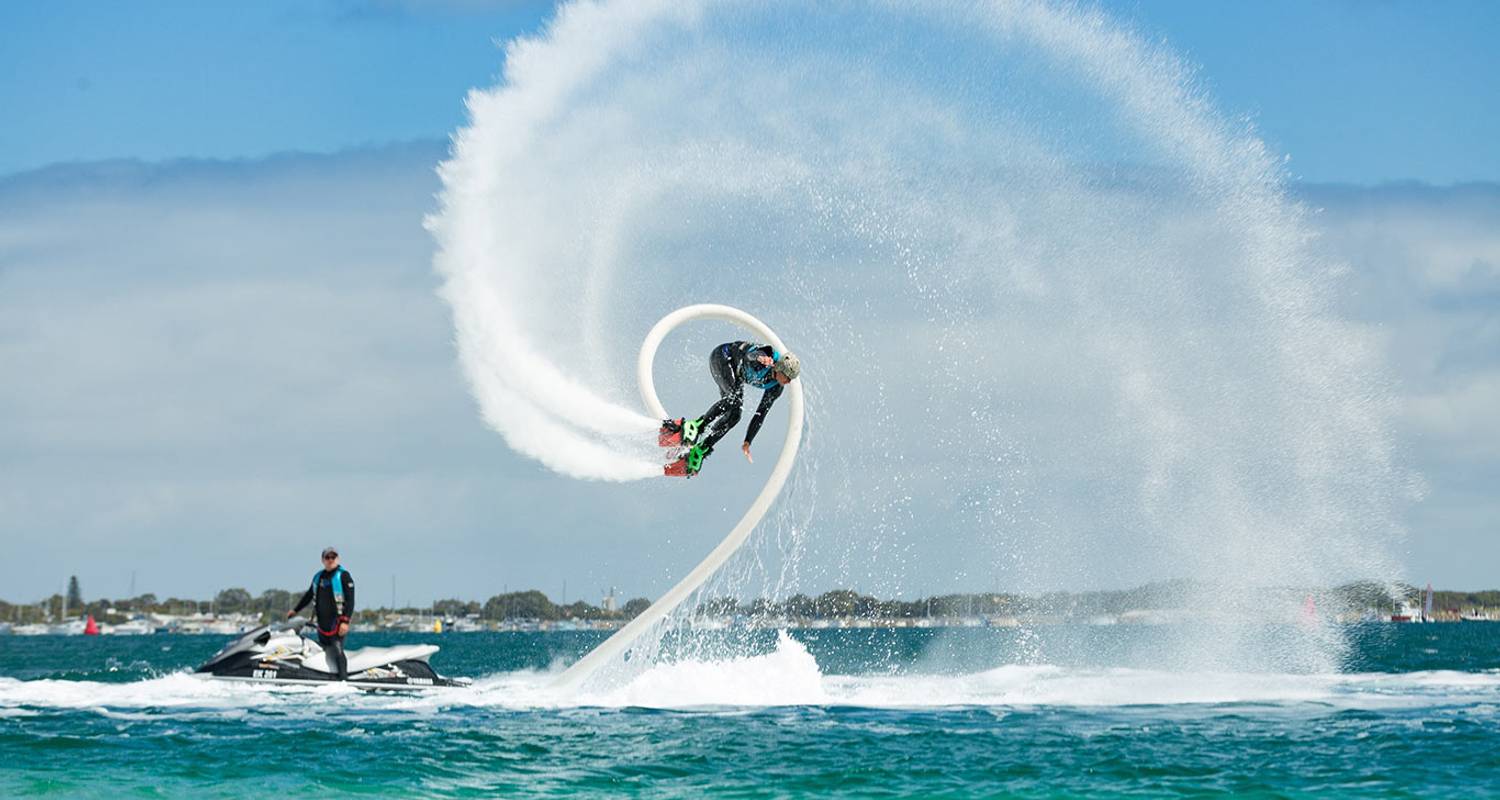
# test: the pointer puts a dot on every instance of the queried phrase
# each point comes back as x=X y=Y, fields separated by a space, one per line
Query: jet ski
x=279 y=653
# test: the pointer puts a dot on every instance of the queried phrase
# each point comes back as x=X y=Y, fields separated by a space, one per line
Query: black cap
x=329 y=551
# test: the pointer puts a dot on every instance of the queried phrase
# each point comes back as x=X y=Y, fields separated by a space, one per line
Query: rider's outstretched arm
x=307 y=597
x=767 y=398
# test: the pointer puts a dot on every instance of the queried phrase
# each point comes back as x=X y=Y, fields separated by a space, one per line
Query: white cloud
x=1425 y=268
x=207 y=371
x=1463 y=420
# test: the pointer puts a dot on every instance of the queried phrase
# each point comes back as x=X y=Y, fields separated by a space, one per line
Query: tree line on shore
x=835 y=604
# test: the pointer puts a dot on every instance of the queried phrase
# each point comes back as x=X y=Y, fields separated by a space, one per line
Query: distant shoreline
x=1168 y=602
x=229 y=626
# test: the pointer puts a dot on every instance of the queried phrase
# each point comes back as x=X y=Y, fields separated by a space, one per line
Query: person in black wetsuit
x=332 y=595
x=735 y=365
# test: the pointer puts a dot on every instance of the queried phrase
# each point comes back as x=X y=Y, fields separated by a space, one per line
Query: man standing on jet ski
x=333 y=590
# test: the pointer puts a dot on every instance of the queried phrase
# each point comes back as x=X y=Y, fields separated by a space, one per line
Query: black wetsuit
x=733 y=365
x=330 y=613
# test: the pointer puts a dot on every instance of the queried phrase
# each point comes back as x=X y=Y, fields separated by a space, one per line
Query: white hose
x=624 y=637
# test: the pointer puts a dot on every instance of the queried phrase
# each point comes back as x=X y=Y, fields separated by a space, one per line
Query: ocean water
x=1053 y=711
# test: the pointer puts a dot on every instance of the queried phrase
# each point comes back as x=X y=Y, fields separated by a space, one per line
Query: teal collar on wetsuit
x=758 y=375
x=336 y=583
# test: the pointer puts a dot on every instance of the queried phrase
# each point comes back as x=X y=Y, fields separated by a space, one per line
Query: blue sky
x=1360 y=92
x=1357 y=92
x=175 y=312
x=89 y=81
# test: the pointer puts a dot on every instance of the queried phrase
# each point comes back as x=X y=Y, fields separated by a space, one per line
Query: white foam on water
x=787 y=676
x=1055 y=686
x=177 y=690
x=790 y=676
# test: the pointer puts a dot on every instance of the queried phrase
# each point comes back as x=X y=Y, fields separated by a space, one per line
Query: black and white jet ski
x=278 y=653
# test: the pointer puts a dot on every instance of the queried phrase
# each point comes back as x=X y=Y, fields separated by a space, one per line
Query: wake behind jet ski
x=278 y=653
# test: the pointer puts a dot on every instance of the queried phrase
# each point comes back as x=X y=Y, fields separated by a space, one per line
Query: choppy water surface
x=910 y=713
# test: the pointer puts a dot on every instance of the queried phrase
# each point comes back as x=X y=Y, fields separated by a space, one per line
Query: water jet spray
x=621 y=641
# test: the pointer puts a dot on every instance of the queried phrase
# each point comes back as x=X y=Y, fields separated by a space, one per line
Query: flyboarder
x=733 y=366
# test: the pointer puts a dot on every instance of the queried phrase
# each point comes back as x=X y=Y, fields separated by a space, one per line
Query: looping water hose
x=626 y=636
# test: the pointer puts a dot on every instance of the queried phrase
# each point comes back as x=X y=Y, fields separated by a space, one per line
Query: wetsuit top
x=334 y=604
x=742 y=359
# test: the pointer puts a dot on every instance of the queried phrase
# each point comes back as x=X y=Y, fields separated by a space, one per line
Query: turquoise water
x=851 y=713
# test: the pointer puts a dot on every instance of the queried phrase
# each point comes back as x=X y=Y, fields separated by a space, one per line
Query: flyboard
x=626 y=636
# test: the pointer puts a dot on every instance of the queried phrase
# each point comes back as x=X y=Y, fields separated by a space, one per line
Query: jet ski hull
x=396 y=675
x=278 y=654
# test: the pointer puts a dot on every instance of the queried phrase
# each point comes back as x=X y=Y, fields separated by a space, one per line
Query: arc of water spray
x=623 y=638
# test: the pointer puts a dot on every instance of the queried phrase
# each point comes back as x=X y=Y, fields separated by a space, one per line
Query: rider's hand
x=746 y=447
x=343 y=629
x=765 y=361
x=290 y=614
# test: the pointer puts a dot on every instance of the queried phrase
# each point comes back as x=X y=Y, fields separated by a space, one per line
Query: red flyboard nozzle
x=670 y=434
